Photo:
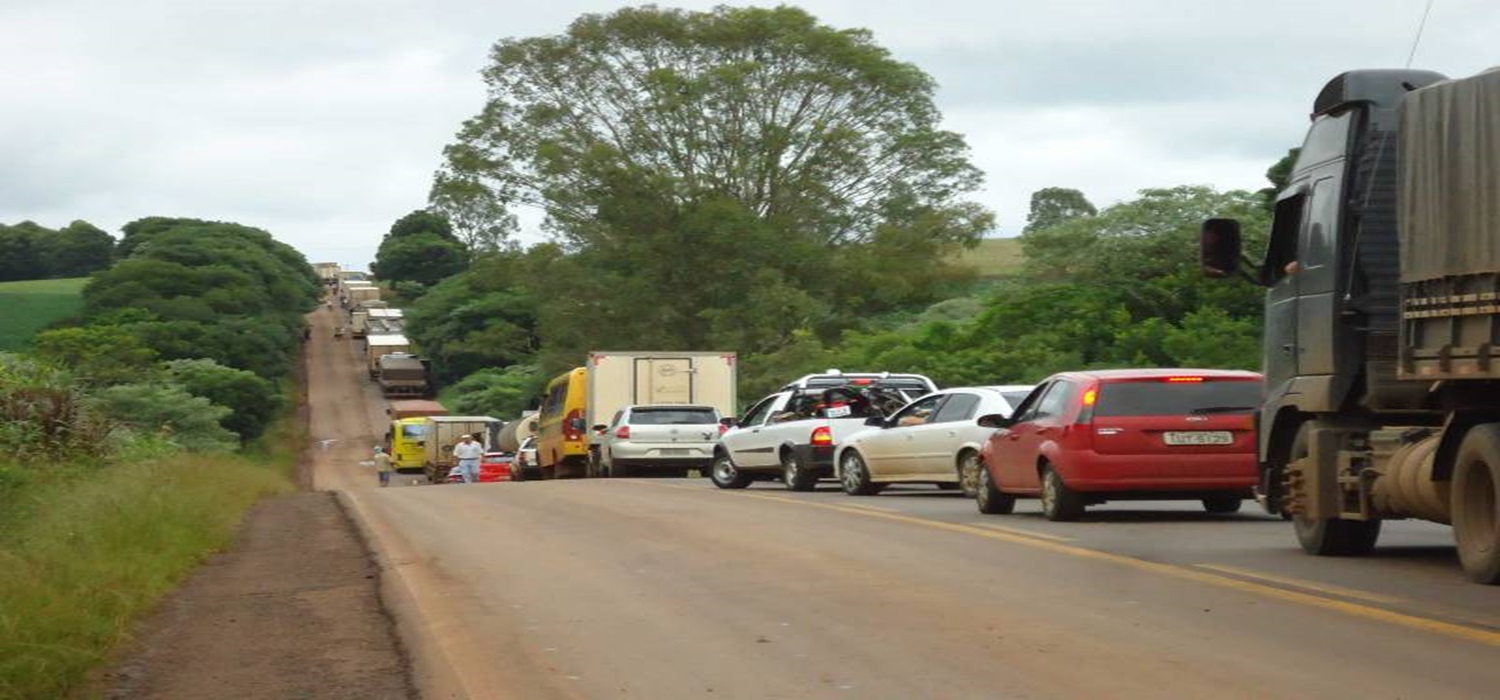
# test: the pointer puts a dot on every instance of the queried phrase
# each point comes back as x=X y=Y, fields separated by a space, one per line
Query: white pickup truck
x=793 y=433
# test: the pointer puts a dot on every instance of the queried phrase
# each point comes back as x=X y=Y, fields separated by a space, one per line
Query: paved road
x=672 y=589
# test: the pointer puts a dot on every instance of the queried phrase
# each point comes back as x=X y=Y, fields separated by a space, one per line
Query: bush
x=44 y=416
x=253 y=401
x=191 y=422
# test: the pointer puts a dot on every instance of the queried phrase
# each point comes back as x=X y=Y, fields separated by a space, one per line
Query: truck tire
x=1476 y=498
x=989 y=499
x=1059 y=503
x=724 y=474
x=794 y=475
x=1330 y=537
x=855 y=476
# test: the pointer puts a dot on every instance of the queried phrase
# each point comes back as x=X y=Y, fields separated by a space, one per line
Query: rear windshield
x=673 y=416
x=1014 y=398
x=911 y=386
x=1163 y=398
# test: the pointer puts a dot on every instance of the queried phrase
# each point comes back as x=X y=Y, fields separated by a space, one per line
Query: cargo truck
x=1382 y=316
x=327 y=272
x=378 y=345
x=405 y=438
x=440 y=433
x=402 y=374
x=591 y=395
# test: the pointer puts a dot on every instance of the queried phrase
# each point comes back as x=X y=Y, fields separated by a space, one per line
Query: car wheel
x=794 y=475
x=1059 y=503
x=855 y=477
x=988 y=496
x=1222 y=505
x=725 y=475
x=968 y=473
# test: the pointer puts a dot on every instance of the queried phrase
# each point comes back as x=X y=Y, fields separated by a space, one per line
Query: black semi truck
x=1382 y=316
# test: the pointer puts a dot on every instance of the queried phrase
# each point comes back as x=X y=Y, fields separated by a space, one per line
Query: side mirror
x=600 y=428
x=875 y=422
x=1220 y=247
x=995 y=420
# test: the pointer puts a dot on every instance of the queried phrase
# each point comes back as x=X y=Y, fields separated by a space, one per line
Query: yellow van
x=562 y=445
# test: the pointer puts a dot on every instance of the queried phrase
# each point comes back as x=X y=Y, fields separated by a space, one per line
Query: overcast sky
x=323 y=120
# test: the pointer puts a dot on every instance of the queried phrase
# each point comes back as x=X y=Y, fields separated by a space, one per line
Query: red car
x=1084 y=438
x=493 y=466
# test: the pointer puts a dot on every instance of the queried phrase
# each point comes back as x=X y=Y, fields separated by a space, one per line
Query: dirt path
x=293 y=609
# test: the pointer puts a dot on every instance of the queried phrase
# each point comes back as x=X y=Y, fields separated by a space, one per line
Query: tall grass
x=100 y=549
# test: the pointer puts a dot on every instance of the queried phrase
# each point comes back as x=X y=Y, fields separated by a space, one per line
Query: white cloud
x=323 y=121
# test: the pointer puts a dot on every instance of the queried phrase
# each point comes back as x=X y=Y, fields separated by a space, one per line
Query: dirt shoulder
x=292 y=611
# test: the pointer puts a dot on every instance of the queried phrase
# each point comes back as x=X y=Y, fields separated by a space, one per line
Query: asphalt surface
x=672 y=589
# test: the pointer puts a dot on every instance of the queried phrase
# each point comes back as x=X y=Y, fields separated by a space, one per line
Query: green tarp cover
x=1449 y=210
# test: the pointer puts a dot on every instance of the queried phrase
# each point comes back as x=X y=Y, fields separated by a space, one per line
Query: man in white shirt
x=468 y=452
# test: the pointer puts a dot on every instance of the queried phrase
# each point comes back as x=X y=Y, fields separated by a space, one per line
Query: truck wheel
x=1222 y=505
x=856 y=477
x=988 y=496
x=1330 y=537
x=1059 y=503
x=725 y=475
x=968 y=473
x=793 y=475
x=1476 y=524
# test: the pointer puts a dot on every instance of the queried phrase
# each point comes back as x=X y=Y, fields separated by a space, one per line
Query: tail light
x=623 y=433
x=572 y=427
x=1184 y=380
x=822 y=436
x=723 y=428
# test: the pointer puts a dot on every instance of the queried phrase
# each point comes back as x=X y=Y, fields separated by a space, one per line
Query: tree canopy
x=30 y=251
x=420 y=248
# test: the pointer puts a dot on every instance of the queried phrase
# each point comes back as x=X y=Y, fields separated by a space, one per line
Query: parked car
x=665 y=440
x=932 y=440
x=1084 y=438
x=525 y=467
x=493 y=466
x=792 y=434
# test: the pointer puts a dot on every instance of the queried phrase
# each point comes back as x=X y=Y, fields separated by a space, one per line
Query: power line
x=1417 y=40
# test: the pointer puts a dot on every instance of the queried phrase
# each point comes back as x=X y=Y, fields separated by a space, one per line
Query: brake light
x=861 y=381
x=572 y=427
x=623 y=432
x=723 y=428
x=822 y=436
x=1184 y=380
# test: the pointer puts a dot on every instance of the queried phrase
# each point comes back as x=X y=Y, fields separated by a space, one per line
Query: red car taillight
x=822 y=436
x=572 y=427
x=623 y=433
x=723 y=428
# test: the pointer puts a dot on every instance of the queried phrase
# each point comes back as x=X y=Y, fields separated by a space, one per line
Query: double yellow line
x=1233 y=578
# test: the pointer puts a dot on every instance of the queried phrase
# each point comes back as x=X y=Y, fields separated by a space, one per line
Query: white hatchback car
x=667 y=440
x=934 y=439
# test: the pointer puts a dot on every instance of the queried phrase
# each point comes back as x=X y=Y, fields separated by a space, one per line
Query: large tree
x=1051 y=206
x=699 y=161
x=421 y=248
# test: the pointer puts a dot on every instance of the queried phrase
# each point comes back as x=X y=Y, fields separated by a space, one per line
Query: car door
x=1014 y=449
x=895 y=448
x=752 y=445
x=935 y=444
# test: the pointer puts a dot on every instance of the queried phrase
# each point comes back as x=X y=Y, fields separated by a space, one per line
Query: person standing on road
x=468 y=452
x=383 y=467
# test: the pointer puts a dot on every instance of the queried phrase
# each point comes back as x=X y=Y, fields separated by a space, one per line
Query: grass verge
x=100 y=550
x=32 y=304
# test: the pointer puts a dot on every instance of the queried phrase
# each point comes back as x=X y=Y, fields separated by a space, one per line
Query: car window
x=1027 y=407
x=757 y=413
x=616 y=420
x=958 y=407
x=413 y=431
x=918 y=412
x=1055 y=402
x=674 y=416
x=1177 y=398
x=1014 y=398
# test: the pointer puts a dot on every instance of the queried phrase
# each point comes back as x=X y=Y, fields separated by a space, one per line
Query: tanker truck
x=1382 y=316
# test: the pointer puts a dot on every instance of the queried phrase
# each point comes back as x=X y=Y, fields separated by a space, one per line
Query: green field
x=27 y=307
x=995 y=257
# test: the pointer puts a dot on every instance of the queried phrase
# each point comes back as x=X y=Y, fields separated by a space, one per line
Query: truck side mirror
x=1220 y=247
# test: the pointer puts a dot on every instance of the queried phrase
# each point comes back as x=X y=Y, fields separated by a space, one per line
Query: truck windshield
x=412 y=432
x=673 y=416
x=1164 y=398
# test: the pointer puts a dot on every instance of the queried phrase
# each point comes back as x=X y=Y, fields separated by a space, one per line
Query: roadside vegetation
x=33 y=305
x=695 y=203
x=132 y=442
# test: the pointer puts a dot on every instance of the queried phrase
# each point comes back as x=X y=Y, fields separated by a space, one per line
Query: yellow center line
x=882 y=509
x=1464 y=632
x=1024 y=532
x=1327 y=588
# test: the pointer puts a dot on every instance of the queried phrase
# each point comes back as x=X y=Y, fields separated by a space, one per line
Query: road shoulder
x=293 y=609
